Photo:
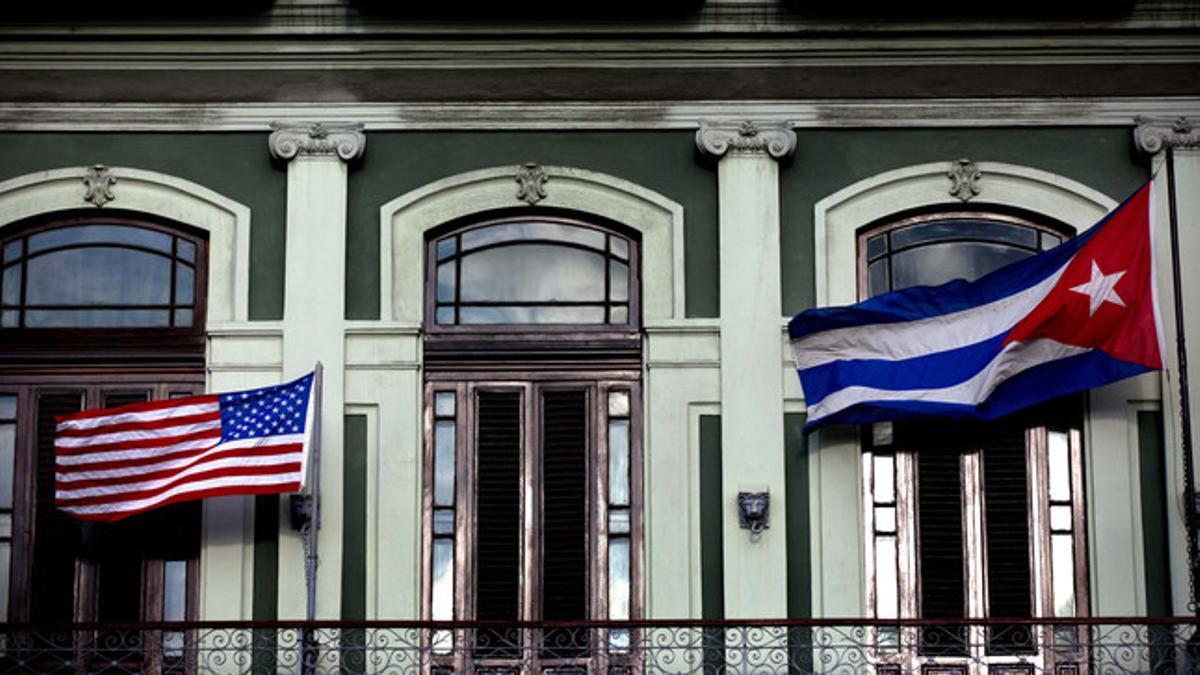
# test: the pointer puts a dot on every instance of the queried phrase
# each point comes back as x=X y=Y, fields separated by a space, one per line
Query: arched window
x=532 y=434
x=971 y=520
x=96 y=310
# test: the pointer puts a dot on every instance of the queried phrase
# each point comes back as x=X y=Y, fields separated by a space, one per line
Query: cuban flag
x=1078 y=316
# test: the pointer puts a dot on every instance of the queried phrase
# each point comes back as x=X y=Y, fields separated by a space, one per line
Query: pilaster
x=313 y=330
x=751 y=385
x=1154 y=136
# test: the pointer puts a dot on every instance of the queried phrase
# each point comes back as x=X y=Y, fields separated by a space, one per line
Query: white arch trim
x=227 y=222
x=405 y=220
x=838 y=216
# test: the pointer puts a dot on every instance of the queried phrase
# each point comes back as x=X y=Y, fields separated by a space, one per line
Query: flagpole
x=1185 y=411
x=311 y=528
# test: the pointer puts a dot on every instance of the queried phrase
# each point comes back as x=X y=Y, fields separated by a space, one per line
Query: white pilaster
x=1153 y=136
x=313 y=330
x=751 y=386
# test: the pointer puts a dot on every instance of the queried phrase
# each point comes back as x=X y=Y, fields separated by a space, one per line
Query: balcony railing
x=1094 y=646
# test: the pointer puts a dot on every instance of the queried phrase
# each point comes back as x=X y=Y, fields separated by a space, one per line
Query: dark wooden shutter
x=564 y=505
x=940 y=549
x=119 y=547
x=1006 y=526
x=498 y=507
x=56 y=535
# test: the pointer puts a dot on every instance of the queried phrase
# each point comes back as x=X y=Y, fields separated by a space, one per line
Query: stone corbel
x=345 y=141
x=716 y=140
x=1155 y=134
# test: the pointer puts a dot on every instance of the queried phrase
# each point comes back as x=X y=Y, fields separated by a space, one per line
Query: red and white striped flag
x=116 y=462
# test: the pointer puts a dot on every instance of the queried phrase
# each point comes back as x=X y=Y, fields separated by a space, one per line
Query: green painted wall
x=237 y=165
x=1154 y=513
x=827 y=161
x=663 y=161
x=354 y=519
x=712 y=555
x=795 y=449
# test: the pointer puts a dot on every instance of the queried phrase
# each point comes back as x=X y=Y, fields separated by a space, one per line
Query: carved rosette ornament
x=99 y=180
x=531 y=183
x=346 y=141
x=778 y=141
x=964 y=176
x=1155 y=134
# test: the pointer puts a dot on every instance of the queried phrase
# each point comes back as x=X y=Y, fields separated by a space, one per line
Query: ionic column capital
x=718 y=139
x=1155 y=134
x=345 y=141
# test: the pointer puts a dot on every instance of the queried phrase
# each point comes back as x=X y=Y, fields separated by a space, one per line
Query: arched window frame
x=29 y=342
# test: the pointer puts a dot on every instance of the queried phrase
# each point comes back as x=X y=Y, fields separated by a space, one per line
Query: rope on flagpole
x=310 y=528
x=1185 y=412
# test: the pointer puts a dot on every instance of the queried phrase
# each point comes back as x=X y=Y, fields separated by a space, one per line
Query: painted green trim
x=828 y=160
x=266 y=558
x=354 y=519
x=799 y=535
x=234 y=164
x=712 y=562
x=1157 y=566
x=663 y=161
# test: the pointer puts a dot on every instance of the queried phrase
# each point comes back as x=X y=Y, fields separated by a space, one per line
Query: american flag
x=116 y=462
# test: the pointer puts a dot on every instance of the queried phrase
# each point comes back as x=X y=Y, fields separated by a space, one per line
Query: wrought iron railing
x=1095 y=646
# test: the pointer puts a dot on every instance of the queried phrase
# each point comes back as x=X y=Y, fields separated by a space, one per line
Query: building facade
x=547 y=260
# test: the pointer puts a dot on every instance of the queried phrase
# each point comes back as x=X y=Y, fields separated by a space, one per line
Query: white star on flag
x=1101 y=288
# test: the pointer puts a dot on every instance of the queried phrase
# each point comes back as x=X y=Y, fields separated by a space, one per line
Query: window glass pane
x=100 y=234
x=877 y=246
x=618 y=579
x=443 y=521
x=619 y=247
x=885 y=478
x=887 y=604
x=509 y=314
x=443 y=463
x=1059 y=451
x=1060 y=518
x=877 y=277
x=12 y=285
x=495 y=234
x=186 y=250
x=185 y=284
x=183 y=317
x=8 y=407
x=618 y=521
x=443 y=404
x=883 y=433
x=12 y=250
x=442 y=600
x=618 y=404
x=618 y=274
x=8 y=319
x=618 y=462
x=1062 y=564
x=1049 y=241
x=938 y=263
x=532 y=273
x=989 y=230
x=885 y=519
x=446 y=247
x=174 y=590
x=445 y=282
x=445 y=315
x=95 y=318
x=91 y=276
x=8 y=439
x=618 y=315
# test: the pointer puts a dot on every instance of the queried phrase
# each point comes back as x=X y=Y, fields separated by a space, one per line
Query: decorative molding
x=99 y=180
x=1154 y=134
x=289 y=139
x=531 y=183
x=776 y=140
x=657 y=114
x=965 y=177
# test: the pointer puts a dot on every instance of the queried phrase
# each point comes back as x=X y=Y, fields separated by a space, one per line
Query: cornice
x=748 y=137
x=1154 y=134
x=343 y=140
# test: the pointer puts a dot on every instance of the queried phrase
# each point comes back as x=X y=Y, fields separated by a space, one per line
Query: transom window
x=933 y=248
x=532 y=270
x=106 y=272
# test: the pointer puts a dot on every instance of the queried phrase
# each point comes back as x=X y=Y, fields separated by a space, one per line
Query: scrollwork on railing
x=1159 y=646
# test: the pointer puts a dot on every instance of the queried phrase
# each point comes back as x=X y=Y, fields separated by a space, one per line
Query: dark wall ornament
x=754 y=511
x=531 y=183
x=99 y=180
